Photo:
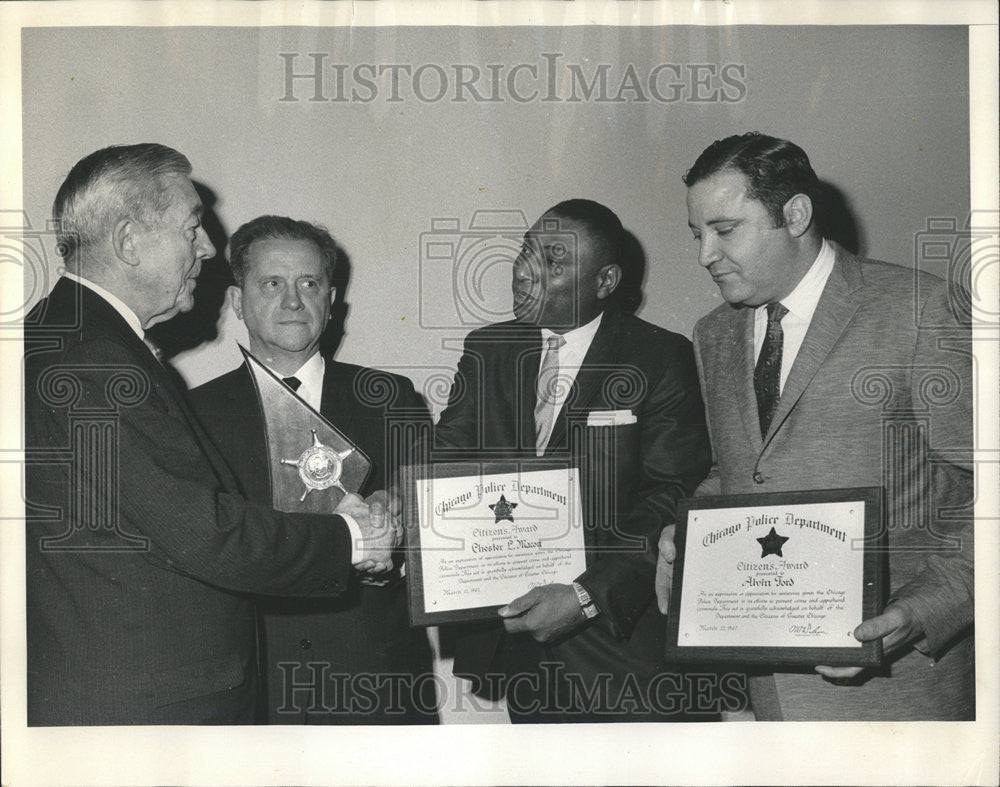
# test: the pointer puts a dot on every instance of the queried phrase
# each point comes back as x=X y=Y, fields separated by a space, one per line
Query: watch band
x=587 y=605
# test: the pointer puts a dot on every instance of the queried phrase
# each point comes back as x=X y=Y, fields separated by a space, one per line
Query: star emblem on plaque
x=771 y=544
x=329 y=464
x=319 y=466
x=502 y=509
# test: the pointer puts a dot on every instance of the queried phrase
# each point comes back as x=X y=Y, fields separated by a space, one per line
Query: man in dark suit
x=140 y=550
x=827 y=370
x=575 y=378
x=352 y=659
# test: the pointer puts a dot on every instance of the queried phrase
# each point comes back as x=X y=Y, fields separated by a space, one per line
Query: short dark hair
x=117 y=181
x=601 y=222
x=776 y=170
x=264 y=227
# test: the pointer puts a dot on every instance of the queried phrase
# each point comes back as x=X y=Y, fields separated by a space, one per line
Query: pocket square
x=610 y=418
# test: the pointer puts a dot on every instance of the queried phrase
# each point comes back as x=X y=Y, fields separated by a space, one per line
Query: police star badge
x=329 y=465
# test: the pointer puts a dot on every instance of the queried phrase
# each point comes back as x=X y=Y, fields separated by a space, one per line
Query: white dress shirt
x=801 y=304
x=310 y=375
x=571 y=357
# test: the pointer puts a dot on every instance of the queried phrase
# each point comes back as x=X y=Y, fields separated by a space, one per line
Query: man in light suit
x=599 y=635
x=353 y=659
x=140 y=549
x=827 y=370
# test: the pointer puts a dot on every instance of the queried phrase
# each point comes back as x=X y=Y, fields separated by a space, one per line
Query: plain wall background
x=882 y=112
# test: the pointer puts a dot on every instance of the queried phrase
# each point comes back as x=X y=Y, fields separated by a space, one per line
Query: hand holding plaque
x=779 y=579
x=895 y=627
x=547 y=613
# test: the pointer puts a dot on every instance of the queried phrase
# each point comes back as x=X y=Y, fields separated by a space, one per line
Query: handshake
x=378 y=518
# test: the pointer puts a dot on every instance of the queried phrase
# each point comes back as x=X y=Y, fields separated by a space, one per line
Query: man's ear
x=798 y=213
x=608 y=279
x=123 y=241
x=333 y=298
x=236 y=300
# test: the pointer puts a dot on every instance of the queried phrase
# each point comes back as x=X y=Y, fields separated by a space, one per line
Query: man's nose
x=708 y=252
x=523 y=269
x=291 y=299
x=206 y=249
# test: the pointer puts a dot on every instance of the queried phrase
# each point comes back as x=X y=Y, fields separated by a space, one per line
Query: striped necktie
x=548 y=393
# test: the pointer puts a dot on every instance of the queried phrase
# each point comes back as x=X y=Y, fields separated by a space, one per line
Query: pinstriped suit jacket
x=879 y=395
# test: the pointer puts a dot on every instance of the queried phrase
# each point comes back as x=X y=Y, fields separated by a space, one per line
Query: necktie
x=292 y=382
x=767 y=373
x=547 y=391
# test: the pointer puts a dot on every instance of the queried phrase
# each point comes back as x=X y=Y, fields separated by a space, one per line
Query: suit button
x=305 y=644
x=758 y=477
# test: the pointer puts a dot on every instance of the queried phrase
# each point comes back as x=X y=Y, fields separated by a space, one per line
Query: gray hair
x=109 y=184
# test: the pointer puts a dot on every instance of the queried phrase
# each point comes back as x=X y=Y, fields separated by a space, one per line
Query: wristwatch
x=587 y=605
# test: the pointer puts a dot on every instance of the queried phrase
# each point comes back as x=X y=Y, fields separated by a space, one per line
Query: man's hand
x=897 y=627
x=546 y=612
x=665 y=569
x=377 y=530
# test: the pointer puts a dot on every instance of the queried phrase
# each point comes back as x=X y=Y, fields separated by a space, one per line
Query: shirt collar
x=310 y=374
x=116 y=303
x=577 y=340
x=802 y=301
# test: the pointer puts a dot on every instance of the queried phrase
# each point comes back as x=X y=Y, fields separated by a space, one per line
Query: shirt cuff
x=357 y=539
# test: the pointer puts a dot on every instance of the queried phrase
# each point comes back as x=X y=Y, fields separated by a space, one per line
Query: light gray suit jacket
x=880 y=394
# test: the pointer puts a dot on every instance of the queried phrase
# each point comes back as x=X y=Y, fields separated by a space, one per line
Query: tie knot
x=553 y=343
x=292 y=382
x=775 y=312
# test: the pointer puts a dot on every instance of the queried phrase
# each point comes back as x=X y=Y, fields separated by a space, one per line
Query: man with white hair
x=140 y=553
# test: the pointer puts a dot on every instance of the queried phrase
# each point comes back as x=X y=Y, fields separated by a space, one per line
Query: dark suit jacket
x=879 y=395
x=365 y=631
x=139 y=548
x=631 y=365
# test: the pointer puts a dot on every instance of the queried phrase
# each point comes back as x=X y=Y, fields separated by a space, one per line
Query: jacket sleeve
x=940 y=598
x=170 y=493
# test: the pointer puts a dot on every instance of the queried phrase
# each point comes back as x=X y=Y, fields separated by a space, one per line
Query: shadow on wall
x=629 y=294
x=837 y=221
x=330 y=341
x=187 y=331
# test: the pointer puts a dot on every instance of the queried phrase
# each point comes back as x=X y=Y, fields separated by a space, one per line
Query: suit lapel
x=593 y=373
x=337 y=403
x=834 y=311
x=95 y=311
x=527 y=360
x=741 y=360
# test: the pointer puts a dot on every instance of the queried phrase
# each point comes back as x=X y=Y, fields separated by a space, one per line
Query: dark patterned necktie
x=292 y=382
x=767 y=373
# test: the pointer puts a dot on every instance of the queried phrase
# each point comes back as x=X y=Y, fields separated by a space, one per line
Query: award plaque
x=777 y=579
x=313 y=464
x=481 y=534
